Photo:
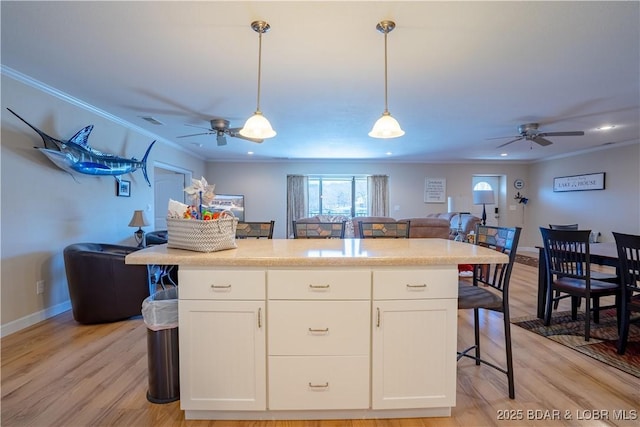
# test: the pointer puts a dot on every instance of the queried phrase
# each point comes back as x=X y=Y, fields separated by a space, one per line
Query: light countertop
x=325 y=252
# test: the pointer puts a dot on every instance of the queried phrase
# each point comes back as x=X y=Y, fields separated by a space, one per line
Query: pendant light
x=386 y=126
x=257 y=126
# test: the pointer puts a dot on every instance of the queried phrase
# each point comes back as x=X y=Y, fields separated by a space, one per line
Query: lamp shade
x=138 y=219
x=386 y=127
x=483 y=197
x=258 y=127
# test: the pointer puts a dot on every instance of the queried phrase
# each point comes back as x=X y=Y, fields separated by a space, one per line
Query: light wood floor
x=60 y=373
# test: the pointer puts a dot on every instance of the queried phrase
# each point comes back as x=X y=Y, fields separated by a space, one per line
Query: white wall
x=44 y=208
x=264 y=185
x=617 y=208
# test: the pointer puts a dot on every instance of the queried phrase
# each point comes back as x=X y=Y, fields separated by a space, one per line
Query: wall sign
x=435 y=190
x=592 y=181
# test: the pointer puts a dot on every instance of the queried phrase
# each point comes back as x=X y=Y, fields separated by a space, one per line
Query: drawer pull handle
x=319 y=286
x=325 y=385
x=321 y=331
x=259 y=317
x=410 y=286
x=216 y=287
x=377 y=317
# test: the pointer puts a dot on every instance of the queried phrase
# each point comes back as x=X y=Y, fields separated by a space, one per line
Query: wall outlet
x=40 y=287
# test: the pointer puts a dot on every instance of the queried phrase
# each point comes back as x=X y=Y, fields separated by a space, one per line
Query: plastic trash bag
x=160 y=310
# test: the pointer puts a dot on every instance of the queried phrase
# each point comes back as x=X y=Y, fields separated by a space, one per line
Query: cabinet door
x=222 y=355
x=414 y=353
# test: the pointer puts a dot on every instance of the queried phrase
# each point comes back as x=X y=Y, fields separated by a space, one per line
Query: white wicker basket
x=202 y=236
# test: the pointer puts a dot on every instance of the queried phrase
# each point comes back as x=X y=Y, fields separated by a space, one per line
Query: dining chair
x=255 y=230
x=384 y=230
x=567 y=260
x=318 y=230
x=490 y=291
x=628 y=246
x=598 y=275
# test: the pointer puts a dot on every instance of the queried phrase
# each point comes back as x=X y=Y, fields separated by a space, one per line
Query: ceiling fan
x=220 y=128
x=529 y=132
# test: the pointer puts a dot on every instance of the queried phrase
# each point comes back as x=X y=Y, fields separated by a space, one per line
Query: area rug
x=604 y=336
x=527 y=260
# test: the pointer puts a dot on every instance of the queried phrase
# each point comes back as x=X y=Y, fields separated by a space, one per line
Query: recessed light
x=250 y=153
x=503 y=154
x=388 y=153
x=606 y=127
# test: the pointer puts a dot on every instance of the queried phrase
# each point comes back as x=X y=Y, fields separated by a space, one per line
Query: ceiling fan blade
x=221 y=139
x=507 y=143
x=198 y=127
x=573 y=133
x=194 y=134
x=540 y=140
x=502 y=137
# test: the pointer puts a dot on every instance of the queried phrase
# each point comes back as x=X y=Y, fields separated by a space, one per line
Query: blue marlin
x=75 y=155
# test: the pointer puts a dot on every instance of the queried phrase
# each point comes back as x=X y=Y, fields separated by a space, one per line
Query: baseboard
x=34 y=318
x=528 y=249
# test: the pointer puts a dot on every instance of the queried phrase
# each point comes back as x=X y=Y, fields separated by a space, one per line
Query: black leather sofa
x=102 y=288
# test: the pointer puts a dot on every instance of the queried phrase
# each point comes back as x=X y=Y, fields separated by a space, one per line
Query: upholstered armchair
x=102 y=288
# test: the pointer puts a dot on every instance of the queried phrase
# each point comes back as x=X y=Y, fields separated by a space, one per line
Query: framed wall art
x=230 y=202
x=123 y=188
x=435 y=190
x=592 y=181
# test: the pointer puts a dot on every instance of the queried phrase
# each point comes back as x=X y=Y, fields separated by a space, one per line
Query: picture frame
x=435 y=190
x=230 y=202
x=123 y=188
x=585 y=182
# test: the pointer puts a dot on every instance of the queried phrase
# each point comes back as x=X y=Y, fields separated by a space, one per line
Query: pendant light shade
x=386 y=126
x=257 y=126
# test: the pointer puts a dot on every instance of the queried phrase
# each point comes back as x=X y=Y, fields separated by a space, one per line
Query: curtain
x=378 y=195
x=296 y=199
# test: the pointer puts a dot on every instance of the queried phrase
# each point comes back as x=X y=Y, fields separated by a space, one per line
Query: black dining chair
x=628 y=246
x=567 y=258
x=597 y=275
x=319 y=230
x=384 y=230
x=490 y=291
x=255 y=230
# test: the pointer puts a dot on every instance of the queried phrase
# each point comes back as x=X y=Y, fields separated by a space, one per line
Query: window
x=337 y=195
x=482 y=185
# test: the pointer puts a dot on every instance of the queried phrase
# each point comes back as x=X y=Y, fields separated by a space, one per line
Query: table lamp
x=483 y=197
x=138 y=220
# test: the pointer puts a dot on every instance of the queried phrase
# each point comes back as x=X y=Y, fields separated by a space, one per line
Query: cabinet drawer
x=319 y=327
x=216 y=284
x=319 y=285
x=415 y=284
x=318 y=382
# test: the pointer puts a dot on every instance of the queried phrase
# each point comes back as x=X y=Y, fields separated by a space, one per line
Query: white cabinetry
x=222 y=339
x=319 y=339
x=414 y=338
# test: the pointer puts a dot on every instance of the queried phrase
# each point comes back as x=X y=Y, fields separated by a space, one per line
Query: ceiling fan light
x=257 y=127
x=386 y=127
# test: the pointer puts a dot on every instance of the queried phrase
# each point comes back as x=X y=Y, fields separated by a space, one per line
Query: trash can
x=160 y=314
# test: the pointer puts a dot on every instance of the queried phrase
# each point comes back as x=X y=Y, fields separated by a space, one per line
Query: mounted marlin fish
x=75 y=155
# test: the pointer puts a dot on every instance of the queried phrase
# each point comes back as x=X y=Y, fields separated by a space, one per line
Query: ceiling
x=459 y=73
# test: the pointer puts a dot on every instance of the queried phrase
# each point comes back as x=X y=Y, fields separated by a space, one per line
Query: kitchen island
x=317 y=329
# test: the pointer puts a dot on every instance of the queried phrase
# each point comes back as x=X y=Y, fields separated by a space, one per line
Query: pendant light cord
x=259 y=67
x=386 y=106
